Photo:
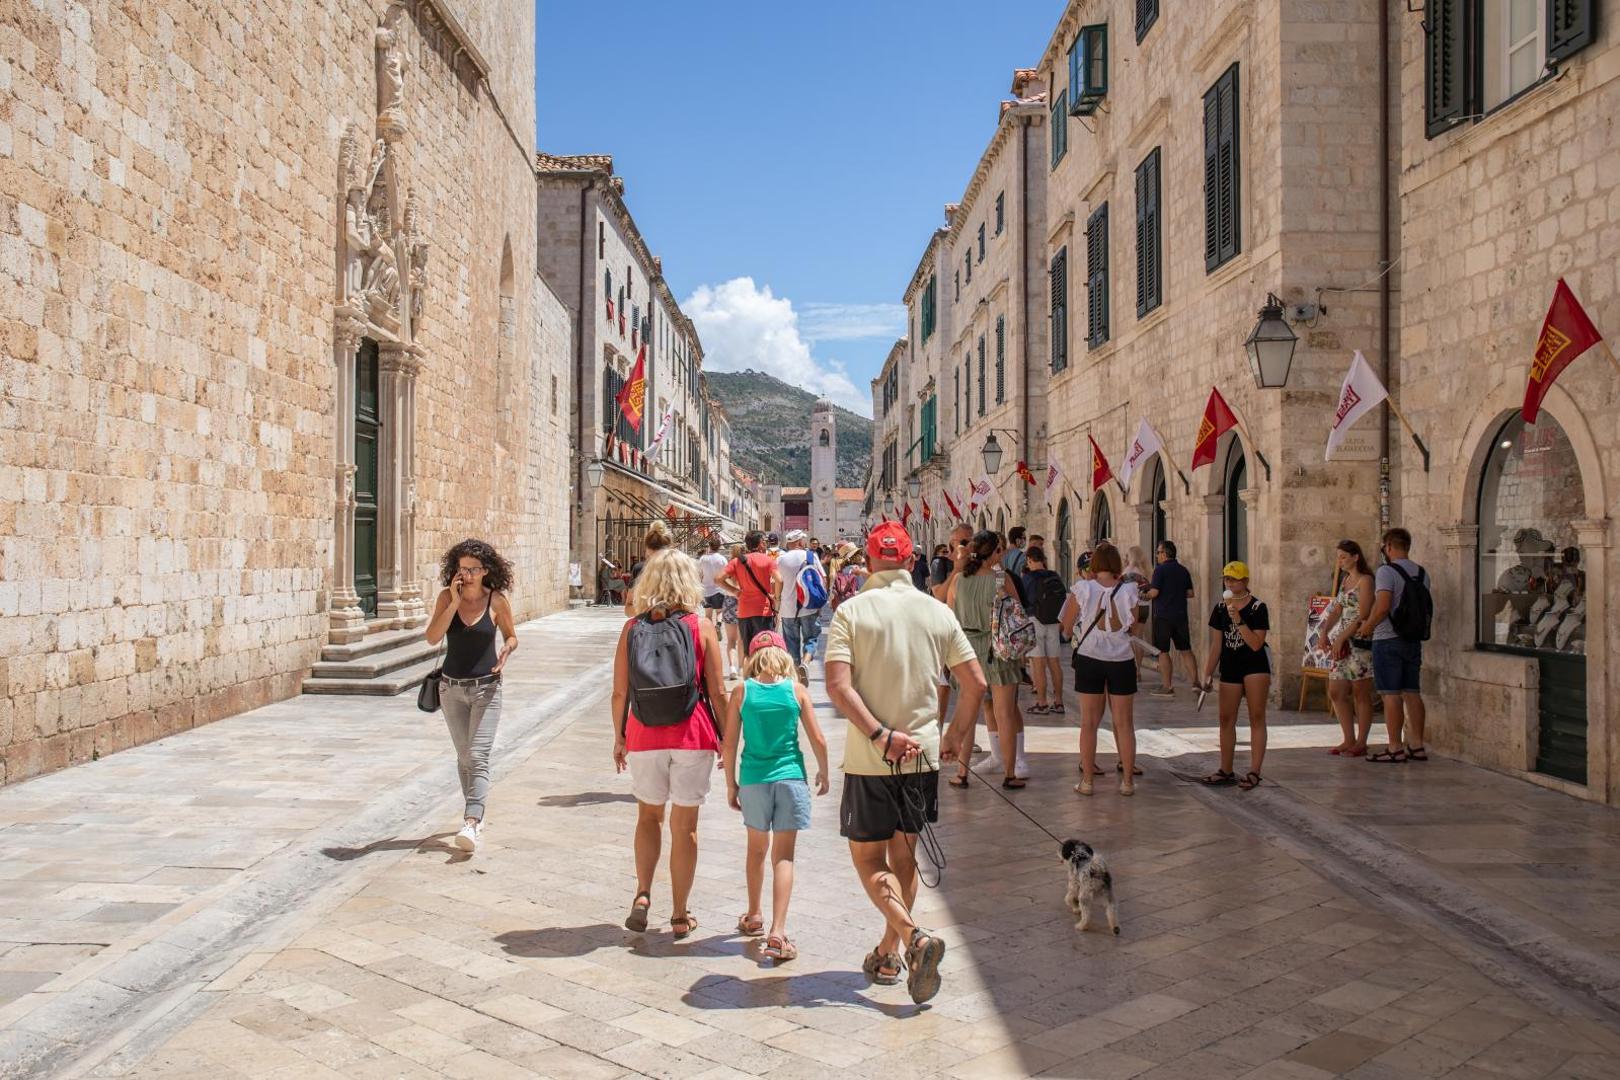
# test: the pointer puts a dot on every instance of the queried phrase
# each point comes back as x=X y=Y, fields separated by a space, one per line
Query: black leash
x=1015 y=806
x=912 y=799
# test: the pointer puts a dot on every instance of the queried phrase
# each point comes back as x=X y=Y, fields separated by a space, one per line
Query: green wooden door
x=1561 y=747
x=366 y=427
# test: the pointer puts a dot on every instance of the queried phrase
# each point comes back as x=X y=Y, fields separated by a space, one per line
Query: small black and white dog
x=1089 y=881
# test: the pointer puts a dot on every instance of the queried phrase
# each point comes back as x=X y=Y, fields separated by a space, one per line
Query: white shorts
x=678 y=776
x=1048 y=641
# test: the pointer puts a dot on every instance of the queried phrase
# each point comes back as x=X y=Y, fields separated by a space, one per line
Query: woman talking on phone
x=471 y=607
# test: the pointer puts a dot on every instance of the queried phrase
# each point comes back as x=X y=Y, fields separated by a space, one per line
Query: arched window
x=1102 y=520
x=1001 y=521
x=1236 y=515
x=823 y=439
x=1065 y=548
x=1160 y=528
x=507 y=406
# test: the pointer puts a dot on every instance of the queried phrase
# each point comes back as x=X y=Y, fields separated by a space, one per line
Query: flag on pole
x=663 y=429
x=632 y=398
x=1218 y=419
x=905 y=514
x=1054 y=483
x=1024 y=473
x=1565 y=334
x=610 y=308
x=927 y=511
x=979 y=492
x=669 y=511
x=1100 y=472
x=950 y=504
x=1360 y=394
x=1147 y=442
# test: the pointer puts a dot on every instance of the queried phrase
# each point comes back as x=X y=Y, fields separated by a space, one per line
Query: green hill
x=770 y=429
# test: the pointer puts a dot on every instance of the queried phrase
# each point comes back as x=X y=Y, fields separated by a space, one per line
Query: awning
x=663 y=496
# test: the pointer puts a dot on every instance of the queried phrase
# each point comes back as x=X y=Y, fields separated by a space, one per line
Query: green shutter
x=1147 y=13
x=1149 y=272
x=1097 y=277
x=1001 y=359
x=1450 y=73
x=1060 y=310
x=1569 y=27
x=1222 y=171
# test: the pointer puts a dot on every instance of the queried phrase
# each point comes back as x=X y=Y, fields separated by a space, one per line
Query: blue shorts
x=1397 y=666
x=780 y=806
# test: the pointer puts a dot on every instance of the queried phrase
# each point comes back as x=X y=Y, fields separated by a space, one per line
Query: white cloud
x=744 y=326
x=852 y=322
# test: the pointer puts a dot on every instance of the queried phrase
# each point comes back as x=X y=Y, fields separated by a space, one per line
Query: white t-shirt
x=1103 y=643
x=711 y=566
x=790 y=563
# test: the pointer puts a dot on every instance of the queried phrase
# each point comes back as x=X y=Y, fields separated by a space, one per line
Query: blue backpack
x=811 y=588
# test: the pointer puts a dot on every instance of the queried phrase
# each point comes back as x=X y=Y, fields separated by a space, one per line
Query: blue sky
x=788 y=162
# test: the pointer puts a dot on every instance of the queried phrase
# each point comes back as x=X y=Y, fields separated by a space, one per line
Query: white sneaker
x=1020 y=768
x=467 y=838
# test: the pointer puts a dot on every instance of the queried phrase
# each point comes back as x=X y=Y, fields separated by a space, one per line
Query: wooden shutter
x=1222 y=167
x=1569 y=27
x=1097 y=277
x=956 y=392
x=1001 y=359
x=1060 y=314
x=981 y=375
x=1147 y=13
x=1449 y=76
x=1149 y=270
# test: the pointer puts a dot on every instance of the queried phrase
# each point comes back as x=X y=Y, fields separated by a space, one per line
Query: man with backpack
x=1045 y=592
x=804 y=593
x=1402 y=615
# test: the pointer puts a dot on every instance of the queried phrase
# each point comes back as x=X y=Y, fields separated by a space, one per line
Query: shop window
x=1531 y=578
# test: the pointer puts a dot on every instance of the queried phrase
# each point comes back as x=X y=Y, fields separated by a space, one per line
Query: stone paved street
x=271 y=896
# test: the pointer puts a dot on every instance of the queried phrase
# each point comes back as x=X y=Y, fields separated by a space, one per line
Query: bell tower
x=823 y=471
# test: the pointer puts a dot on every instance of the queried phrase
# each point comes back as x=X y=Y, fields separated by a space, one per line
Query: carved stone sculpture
x=391 y=74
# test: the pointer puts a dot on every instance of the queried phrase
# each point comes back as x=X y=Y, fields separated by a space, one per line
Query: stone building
x=1510 y=180
x=271 y=339
x=591 y=248
x=1200 y=161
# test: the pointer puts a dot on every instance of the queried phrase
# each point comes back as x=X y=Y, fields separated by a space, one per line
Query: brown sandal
x=750 y=925
x=1250 y=781
x=780 y=949
x=883 y=968
x=688 y=920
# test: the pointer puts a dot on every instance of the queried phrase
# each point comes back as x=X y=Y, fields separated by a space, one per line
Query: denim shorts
x=1397 y=666
x=780 y=806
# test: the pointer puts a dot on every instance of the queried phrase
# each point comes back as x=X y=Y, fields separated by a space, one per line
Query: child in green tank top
x=765 y=779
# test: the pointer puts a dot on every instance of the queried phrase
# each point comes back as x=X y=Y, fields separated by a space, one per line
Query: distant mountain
x=770 y=430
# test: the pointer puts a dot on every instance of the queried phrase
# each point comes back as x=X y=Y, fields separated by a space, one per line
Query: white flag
x=1360 y=393
x=1147 y=442
x=979 y=493
x=663 y=429
x=1054 y=483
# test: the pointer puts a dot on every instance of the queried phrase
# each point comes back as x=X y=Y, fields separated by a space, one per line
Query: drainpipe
x=1023 y=274
x=1383 y=258
x=580 y=482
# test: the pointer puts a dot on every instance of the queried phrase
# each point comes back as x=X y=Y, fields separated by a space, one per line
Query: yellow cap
x=1236 y=570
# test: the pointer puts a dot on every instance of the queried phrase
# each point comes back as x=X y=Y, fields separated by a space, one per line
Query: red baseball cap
x=889 y=540
x=766 y=639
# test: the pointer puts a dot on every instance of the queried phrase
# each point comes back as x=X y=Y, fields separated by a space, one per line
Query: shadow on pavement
x=585 y=798
x=425 y=843
x=811 y=991
x=553 y=941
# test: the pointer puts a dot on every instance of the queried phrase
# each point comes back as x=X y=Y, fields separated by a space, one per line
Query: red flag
x=610 y=308
x=905 y=515
x=927 y=512
x=1217 y=421
x=621 y=323
x=633 y=398
x=1023 y=471
x=1565 y=334
x=950 y=504
x=669 y=511
x=1100 y=472
x=607 y=445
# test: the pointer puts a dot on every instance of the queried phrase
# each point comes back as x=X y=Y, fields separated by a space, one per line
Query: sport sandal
x=637 y=920
x=923 y=955
x=882 y=968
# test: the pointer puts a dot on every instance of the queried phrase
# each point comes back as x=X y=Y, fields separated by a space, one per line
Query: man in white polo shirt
x=885 y=648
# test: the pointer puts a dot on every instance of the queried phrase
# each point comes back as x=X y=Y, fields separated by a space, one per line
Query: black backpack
x=1413 y=616
x=662 y=661
x=1049 y=597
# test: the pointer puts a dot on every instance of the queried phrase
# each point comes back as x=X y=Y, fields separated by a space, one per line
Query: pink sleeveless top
x=697 y=733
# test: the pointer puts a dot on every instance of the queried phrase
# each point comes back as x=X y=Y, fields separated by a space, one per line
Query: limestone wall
x=169 y=207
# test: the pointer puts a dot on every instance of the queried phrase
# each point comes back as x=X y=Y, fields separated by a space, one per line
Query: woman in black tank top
x=471 y=607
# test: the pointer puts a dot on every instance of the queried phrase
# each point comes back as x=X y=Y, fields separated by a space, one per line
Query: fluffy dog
x=1089 y=881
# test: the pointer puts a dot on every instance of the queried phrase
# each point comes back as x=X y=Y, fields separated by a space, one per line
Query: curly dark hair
x=981 y=550
x=498 y=572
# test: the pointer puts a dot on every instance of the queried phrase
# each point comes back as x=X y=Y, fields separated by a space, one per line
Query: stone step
x=385 y=685
x=412 y=651
x=371 y=644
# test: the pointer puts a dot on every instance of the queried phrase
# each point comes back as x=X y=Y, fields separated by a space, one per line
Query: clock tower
x=823 y=472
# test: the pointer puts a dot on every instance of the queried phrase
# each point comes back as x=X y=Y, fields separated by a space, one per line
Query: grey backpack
x=663 y=668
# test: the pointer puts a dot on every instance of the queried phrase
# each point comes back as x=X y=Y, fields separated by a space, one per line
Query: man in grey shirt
x=1397 y=661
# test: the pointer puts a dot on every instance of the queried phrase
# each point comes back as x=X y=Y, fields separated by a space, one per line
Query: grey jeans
x=472 y=713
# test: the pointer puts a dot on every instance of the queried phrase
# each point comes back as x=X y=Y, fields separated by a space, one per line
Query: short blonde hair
x=670 y=581
x=769 y=660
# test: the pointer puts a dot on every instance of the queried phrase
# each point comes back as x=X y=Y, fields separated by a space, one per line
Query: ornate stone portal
x=381 y=285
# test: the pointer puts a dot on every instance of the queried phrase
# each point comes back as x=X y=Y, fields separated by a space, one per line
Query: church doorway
x=367 y=432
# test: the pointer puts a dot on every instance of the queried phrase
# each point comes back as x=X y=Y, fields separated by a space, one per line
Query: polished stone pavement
x=272 y=896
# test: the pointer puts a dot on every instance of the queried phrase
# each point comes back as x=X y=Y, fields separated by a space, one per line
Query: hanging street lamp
x=1270 y=346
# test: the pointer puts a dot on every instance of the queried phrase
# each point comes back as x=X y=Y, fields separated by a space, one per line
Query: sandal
x=1250 y=781
x=1218 y=778
x=922 y=958
x=882 y=968
x=781 y=949
x=688 y=920
x=958 y=781
x=1038 y=710
x=750 y=925
x=1357 y=751
x=1119 y=767
x=1056 y=710
x=1388 y=757
x=1012 y=783
x=637 y=919
x=1417 y=753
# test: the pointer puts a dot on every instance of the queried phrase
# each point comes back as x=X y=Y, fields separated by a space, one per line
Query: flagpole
x=1253 y=445
x=1424 y=450
x=1604 y=347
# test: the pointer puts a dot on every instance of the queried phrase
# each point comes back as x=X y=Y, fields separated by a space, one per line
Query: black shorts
x=1171 y=630
x=1093 y=676
x=874 y=808
x=747 y=628
x=1237 y=666
x=715 y=602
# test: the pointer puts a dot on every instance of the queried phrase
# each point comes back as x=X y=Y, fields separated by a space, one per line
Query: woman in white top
x=1099 y=613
